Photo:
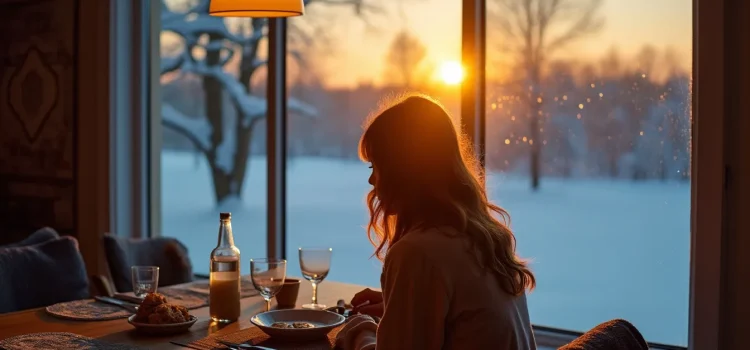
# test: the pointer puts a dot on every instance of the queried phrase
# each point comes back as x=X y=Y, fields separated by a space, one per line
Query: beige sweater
x=438 y=297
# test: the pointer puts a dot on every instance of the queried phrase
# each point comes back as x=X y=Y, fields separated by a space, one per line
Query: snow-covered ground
x=600 y=249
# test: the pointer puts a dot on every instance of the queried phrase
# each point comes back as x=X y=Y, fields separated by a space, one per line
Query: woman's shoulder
x=426 y=243
x=433 y=236
x=426 y=255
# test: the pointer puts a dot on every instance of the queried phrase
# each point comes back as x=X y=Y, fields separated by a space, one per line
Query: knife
x=239 y=346
x=123 y=304
x=129 y=298
x=185 y=345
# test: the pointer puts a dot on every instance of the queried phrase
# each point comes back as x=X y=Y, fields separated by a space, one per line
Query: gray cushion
x=168 y=253
x=42 y=274
x=41 y=235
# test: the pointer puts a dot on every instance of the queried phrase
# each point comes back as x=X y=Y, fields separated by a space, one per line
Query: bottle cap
x=225 y=216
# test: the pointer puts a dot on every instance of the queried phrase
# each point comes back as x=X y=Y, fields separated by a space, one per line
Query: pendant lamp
x=256 y=8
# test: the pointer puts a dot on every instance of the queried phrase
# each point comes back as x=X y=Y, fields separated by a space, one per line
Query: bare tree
x=672 y=62
x=610 y=65
x=405 y=59
x=646 y=60
x=534 y=31
x=209 y=46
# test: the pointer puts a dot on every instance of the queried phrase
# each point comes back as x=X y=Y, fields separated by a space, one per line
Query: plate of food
x=158 y=317
x=297 y=324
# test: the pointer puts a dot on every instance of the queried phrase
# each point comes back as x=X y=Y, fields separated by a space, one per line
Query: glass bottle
x=224 y=287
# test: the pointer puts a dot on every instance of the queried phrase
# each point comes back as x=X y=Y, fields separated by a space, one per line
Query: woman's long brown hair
x=427 y=177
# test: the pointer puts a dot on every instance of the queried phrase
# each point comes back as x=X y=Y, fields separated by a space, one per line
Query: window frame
x=708 y=165
x=473 y=88
x=276 y=135
x=135 y=160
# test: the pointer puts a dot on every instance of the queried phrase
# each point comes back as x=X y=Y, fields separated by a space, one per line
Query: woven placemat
x=92 y=310
x=201 y=287
x=190 y=295
x=87 y=310
x=58 y=340
x=184 y=297
x=255 y=336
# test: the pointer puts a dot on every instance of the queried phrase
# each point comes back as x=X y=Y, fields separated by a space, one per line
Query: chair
x=42 y=270
x=39 y=236
x=102 y=286
x=168 y=253
x=616 y=334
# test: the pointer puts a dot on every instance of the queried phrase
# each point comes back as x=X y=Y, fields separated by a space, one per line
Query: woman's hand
x=374 y=300
x=358 y=334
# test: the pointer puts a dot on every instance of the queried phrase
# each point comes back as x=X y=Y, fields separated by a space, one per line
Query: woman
x=451 y=279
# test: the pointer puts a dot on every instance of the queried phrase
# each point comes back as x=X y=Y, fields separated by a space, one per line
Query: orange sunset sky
x=356 y=53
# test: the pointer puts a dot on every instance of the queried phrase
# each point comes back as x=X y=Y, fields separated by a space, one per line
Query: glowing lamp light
x=256 y=8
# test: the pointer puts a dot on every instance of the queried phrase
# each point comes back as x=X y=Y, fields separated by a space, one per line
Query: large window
x=213 y=109
x=588 y=148
x=359 y=57
x=587 y=138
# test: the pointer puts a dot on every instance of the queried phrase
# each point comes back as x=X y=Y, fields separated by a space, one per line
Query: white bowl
x=324 y=322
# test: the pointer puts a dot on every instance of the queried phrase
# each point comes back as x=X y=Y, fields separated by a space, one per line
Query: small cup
x=287 y=296
x=145 y=280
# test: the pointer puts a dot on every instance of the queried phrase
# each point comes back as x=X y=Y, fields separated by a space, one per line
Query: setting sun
x=451 y=72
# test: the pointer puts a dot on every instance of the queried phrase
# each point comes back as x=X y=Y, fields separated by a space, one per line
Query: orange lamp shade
x=256 y=8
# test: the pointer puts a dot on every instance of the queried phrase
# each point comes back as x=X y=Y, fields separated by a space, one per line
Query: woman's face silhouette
x=373 y=180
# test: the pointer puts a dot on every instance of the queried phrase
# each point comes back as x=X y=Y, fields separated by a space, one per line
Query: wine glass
x=315 y=264
x=145 y=280
x=268 y=277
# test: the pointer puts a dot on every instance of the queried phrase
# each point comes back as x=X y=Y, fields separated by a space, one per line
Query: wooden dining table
x=120 y=331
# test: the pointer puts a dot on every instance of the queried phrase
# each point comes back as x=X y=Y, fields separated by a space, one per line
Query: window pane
x=343 y=61
x=588 y=148
x=213 y=141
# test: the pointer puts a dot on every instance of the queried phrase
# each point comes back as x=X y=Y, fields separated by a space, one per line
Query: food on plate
x=155 y=310
x=149 y=303
x=169 y=313
x=292 y=325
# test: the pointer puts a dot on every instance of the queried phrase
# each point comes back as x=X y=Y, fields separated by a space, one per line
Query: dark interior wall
x=38 y=116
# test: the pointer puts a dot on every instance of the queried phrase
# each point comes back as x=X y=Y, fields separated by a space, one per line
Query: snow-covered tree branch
x=250 y=106
x=197 y=130
x=225 y=55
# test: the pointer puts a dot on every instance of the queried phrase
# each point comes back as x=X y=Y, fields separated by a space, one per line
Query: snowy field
x=601 y=249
